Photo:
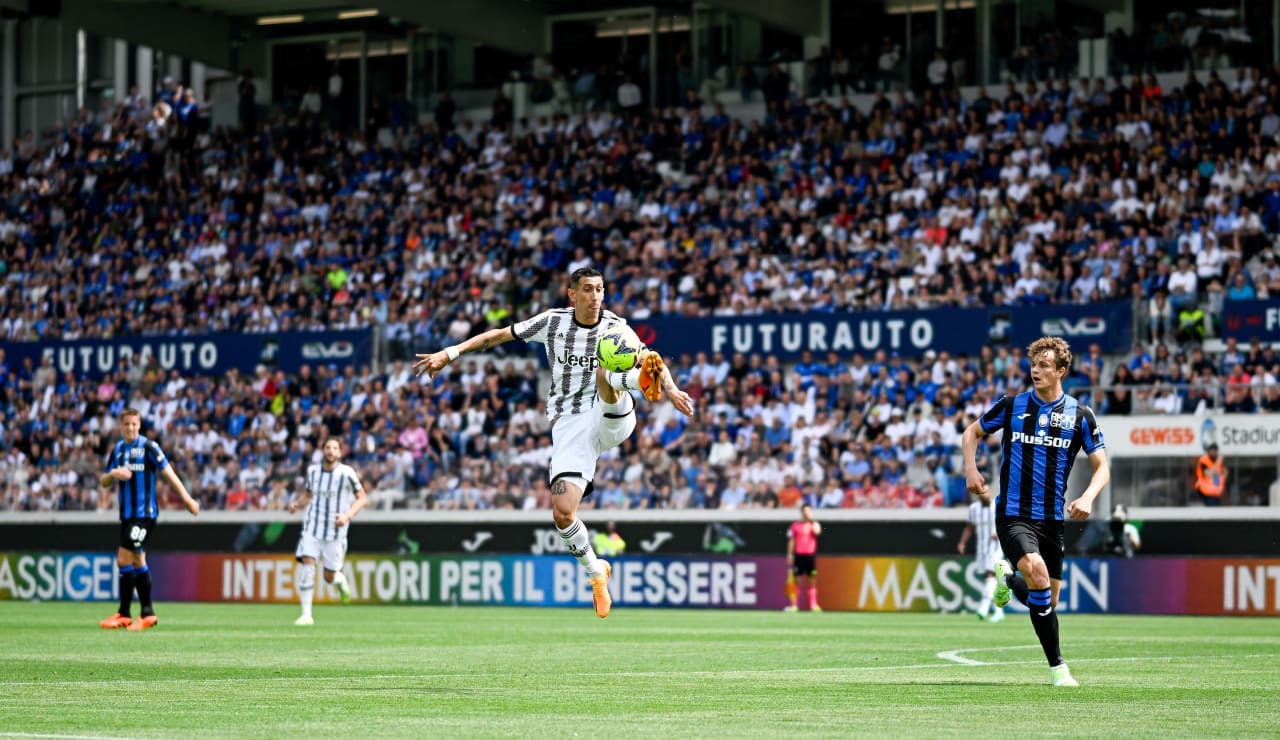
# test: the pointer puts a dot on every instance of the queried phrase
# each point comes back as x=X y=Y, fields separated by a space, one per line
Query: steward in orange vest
x=1211 y=477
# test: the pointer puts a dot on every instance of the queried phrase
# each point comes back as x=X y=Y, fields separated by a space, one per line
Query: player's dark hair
x=575 y=279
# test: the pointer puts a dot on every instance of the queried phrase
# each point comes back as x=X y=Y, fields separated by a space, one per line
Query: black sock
x=1045 y=619
x=143 y=578
x=126 y=590
x=1018 y=585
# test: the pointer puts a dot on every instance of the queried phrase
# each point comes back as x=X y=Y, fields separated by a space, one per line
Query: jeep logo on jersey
x=587 y=361
x=339 y=350
x=1089 y=326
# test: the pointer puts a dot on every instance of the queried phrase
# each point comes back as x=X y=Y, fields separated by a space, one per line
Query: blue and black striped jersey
x=138 y=494
x=1040 y=444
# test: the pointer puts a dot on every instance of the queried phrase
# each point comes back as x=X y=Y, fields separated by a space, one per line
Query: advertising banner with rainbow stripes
x=1212 y=586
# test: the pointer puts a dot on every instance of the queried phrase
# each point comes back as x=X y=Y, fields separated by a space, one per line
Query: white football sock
x=306 y=586
x=575 y=538
x=628 y=381
x=339 y=580
x=623 y=406
x=988 y=594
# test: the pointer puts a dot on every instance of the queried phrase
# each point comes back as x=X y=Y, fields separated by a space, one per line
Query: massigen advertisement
x=1210 y=586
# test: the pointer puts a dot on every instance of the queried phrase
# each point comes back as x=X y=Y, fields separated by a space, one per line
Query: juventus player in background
x=590 y=410
x=1044 y=429
x=332 y=498
x=986 y=553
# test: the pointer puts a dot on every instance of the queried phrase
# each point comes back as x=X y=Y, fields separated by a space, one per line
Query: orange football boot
x=143 y=623
x=115 y=622
x=651 y=376
x=600 y=591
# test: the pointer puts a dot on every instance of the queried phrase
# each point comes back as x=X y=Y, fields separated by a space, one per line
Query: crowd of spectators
x=877 y=431
x=1074 y=193
x=1068 y=194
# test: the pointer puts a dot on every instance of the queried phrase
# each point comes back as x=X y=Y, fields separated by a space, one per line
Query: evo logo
x=1089 y=326
x=339 y=350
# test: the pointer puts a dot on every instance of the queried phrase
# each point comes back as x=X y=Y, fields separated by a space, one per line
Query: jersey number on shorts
x=138 y=534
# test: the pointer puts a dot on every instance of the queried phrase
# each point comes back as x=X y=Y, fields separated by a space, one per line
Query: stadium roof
x=517 y=26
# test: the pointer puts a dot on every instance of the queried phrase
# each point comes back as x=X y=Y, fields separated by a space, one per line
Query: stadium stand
x=142 y=221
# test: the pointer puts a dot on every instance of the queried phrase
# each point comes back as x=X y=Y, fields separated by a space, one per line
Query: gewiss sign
x=1237 y=435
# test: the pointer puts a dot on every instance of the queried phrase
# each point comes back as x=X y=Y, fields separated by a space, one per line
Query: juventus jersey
x=983 y=518
x=571 y=353
x=332 y=492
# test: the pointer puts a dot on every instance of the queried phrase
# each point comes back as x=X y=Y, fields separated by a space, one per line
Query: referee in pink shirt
x=802 y=559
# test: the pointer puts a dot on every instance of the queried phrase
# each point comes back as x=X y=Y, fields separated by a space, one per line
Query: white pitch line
x=56 y=736
x=628 y=674
x=957 y=659
x=954 y=655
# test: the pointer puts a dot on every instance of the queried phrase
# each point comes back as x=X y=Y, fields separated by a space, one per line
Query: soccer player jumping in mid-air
x=591 y=410
x=1044 y=429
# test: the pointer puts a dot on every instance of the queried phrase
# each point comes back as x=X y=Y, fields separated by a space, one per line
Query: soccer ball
x=619 y=349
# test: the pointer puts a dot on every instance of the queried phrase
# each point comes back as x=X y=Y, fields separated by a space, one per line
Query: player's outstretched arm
x=1082 y=507
x=436 y=361
x=175 y=483
x=975 y=481
x=681 y=400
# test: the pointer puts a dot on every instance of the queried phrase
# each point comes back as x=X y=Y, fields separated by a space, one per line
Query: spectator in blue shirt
x=1240 y=288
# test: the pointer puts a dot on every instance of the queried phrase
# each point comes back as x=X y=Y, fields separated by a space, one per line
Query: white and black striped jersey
x=983 y=518
x=571 y=353
x=332 y=492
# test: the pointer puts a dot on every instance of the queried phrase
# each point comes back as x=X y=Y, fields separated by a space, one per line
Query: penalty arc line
x=956 y=657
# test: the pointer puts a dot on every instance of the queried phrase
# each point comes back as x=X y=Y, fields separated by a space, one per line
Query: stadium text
x=104 y=357
x=942 y=588
x=516 y=581
x=60 y=577
x=1250 y=588
x=1089 y=326
x=820 y=336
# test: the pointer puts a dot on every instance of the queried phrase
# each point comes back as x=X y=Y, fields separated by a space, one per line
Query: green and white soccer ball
x=619 y=349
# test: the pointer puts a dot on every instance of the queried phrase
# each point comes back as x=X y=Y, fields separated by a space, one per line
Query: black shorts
x=804 y=565
x=1020 y=536
x=134 y=533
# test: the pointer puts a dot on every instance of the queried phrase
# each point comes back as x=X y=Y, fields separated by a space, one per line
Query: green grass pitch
x=224 y=670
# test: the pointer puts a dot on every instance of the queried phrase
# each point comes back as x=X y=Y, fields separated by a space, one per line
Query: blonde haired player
x=589 y=409
x=1042 y=430
x=333 y=496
